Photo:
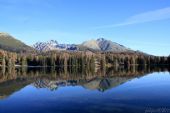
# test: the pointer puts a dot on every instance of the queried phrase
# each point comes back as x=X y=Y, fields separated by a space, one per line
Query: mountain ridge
x=53 y=45
x=99 y=44
x=9 y=43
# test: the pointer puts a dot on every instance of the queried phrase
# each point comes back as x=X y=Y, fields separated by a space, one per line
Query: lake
x=112 y=91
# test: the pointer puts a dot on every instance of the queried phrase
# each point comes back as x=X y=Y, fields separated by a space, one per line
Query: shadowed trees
x=169 y=60
x=80 y=59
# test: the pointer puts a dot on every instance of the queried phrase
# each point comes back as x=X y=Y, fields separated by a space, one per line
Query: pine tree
x=3 y=62
x=23 y=61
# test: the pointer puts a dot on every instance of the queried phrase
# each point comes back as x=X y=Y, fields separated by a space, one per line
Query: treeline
x=127 y=59
x=7 y=58
x=80 y=59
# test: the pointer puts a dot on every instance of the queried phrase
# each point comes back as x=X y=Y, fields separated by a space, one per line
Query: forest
x=80 y=59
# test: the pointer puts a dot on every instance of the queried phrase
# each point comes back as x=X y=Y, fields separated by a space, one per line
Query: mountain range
x=100 y=44
x=9 y=43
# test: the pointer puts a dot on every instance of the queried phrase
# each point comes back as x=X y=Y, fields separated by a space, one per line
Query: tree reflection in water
x=14 y=79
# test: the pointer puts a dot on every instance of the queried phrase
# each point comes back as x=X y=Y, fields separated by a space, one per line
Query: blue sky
x=138 y=24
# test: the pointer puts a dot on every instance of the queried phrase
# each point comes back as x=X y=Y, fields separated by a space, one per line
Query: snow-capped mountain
x=53 y=45
x=100 y=44
x=45 y=46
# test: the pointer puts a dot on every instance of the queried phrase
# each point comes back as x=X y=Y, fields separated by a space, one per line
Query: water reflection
x=14 y=79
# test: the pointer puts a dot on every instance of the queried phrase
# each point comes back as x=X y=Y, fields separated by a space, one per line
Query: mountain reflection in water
x=14 y=79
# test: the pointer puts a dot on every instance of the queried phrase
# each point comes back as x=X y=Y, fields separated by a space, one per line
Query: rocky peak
x=100 y=39
x=52 y=42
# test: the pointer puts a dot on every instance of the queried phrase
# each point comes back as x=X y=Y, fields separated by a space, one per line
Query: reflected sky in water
x=136 y=94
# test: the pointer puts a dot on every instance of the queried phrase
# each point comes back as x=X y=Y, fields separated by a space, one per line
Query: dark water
x=125 y=91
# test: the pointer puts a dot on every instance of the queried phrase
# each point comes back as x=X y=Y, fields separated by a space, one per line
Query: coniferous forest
x=80 y=59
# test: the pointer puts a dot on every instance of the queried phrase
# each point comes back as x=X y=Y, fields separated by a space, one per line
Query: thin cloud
x=155 y=15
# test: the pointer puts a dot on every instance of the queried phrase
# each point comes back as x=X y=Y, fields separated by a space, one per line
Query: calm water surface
x=96 y=94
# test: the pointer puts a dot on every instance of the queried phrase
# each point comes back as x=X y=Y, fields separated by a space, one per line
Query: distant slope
x=104 y=45
x=9 y=43
x=91 y=44
x=107 y=45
